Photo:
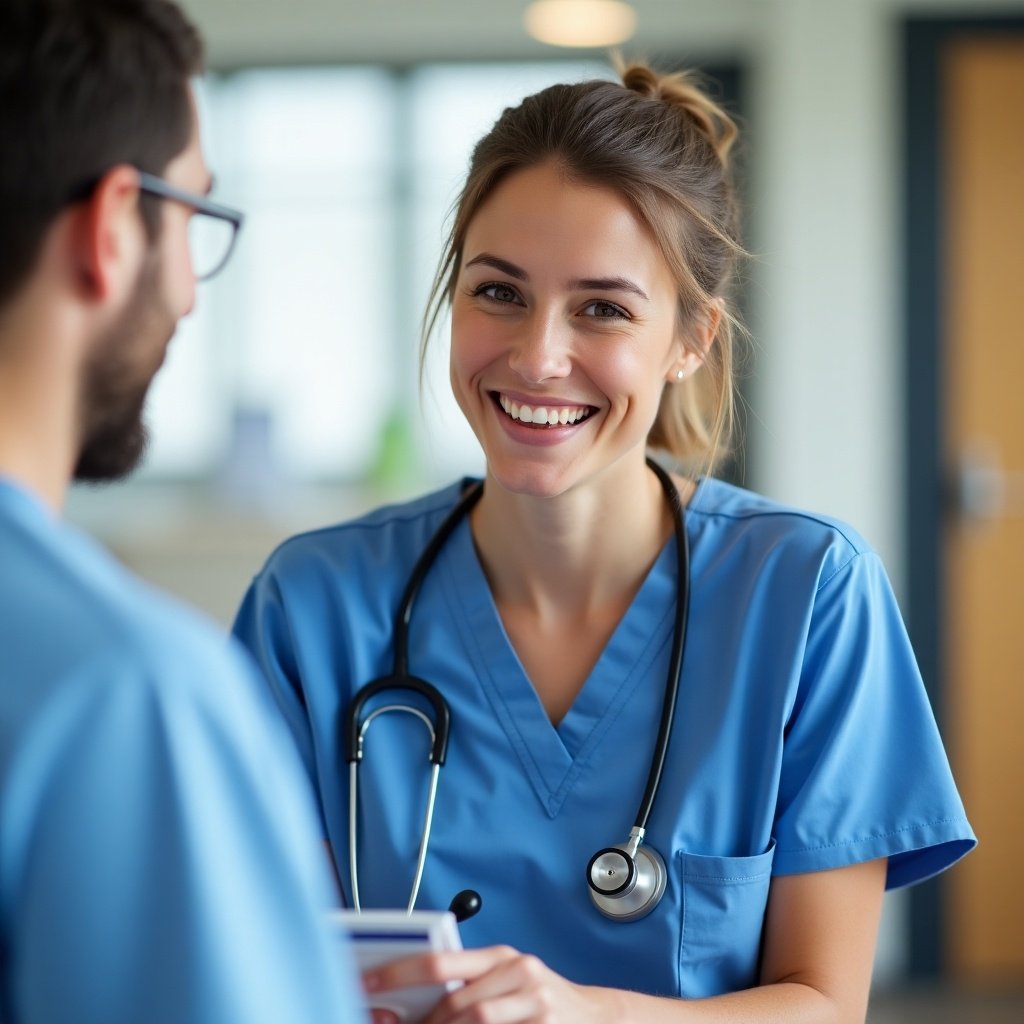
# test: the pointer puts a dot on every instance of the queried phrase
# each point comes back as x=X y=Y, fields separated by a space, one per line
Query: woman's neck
x=587 y=549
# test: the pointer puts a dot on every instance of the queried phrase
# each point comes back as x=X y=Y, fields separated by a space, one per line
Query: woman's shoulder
x=725 y=515
x=383 y=534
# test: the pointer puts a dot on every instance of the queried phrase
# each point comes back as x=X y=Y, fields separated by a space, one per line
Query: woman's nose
x=542 y=351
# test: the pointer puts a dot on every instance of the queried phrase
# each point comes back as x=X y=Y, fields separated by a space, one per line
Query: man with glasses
x=158 y=852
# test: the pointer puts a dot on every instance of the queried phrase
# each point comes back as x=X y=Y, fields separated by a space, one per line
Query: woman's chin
x=529 y=481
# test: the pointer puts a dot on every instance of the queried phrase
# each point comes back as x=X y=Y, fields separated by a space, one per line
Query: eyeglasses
x=211 y=233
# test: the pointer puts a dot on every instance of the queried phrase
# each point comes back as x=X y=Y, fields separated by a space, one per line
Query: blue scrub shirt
x=159 y=852
x=803 y=739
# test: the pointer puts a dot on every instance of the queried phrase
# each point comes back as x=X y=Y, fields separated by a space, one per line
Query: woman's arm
x=819 y=943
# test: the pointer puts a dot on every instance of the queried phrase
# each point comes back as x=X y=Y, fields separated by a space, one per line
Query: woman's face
x=564 y=332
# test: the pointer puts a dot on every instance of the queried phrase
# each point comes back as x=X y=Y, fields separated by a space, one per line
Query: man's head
x=93 y=92
x=130 y=349
x=85 y=85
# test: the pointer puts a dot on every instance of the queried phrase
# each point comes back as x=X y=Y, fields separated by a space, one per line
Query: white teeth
x=563 y=415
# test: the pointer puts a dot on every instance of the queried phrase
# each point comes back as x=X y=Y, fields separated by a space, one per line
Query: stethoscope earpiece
x=465 y=904
x=354 y=735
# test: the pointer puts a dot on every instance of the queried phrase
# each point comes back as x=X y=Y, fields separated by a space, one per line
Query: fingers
x=500 y=986
x=436 y=968
x=516 y=1008
x=514 y=989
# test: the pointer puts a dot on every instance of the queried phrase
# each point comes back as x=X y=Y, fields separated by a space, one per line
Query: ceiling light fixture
x=580 y=22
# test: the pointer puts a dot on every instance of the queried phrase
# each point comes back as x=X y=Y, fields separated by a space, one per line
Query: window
x=300 y=362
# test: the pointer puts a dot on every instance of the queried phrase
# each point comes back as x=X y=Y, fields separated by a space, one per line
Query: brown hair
x=663 y=144
x=85 y=85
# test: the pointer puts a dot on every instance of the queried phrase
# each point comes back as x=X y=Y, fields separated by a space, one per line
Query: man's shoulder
x=68 y=607
x=162 y=635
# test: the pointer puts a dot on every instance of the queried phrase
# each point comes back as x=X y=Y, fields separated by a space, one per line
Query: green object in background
x=394 y=468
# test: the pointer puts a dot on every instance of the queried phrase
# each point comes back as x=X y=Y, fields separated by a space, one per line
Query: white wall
x=825 y=105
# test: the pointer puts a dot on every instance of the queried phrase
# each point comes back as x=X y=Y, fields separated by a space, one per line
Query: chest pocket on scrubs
x=724 y=900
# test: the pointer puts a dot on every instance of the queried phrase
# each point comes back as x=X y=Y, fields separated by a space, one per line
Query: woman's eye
x=499 y=292
x=605 y=311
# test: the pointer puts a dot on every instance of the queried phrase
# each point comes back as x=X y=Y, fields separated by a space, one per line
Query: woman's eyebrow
x=602 y=284
x=487 y=260
x=621 y=284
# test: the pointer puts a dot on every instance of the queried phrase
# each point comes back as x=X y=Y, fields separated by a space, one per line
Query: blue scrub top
x=160 y=859
x=803 y=738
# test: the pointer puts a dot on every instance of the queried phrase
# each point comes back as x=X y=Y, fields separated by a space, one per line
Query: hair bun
x=683 y=91
x=641 y=79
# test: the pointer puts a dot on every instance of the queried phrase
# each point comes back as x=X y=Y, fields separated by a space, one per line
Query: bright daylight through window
x=300 y=361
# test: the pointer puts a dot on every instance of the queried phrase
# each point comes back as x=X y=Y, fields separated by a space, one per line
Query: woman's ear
x=706 y=328
x=109 y=236
x=701 y=336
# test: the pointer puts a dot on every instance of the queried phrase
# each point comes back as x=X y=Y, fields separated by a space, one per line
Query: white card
x=380 y=936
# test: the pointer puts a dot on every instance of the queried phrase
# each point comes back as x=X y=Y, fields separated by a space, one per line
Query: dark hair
x=663 y=144
x=85 y=85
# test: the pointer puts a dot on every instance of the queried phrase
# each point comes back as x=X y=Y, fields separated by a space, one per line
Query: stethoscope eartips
x=465 y=904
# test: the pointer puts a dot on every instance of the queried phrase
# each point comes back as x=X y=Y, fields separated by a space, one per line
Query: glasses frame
x=155 y=186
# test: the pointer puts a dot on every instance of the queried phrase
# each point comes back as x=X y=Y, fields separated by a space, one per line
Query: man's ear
x=110 y=238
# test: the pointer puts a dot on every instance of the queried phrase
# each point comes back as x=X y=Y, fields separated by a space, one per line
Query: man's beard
x=115 y=382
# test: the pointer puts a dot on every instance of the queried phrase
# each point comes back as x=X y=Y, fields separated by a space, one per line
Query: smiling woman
x=679 y=198
x=564 y=333
x=580 y=594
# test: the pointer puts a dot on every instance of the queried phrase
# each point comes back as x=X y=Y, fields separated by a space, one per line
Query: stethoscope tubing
x=355 y=727
x=668 y=707
x=419 y=574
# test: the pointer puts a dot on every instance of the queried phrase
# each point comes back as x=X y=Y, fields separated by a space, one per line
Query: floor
x=942 y=1007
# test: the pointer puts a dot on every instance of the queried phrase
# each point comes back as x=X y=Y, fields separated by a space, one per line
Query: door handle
x=981 y=490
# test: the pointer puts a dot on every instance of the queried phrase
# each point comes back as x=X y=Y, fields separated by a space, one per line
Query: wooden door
x=982 y=428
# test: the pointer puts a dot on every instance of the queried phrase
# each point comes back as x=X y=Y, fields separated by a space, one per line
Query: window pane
x=300 y=361
x=313 y=163
x=189 y=404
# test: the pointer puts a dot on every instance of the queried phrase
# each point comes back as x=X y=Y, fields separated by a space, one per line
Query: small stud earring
x=680 y=374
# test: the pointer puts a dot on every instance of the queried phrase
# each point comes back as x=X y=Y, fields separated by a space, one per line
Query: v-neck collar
x=553 y=757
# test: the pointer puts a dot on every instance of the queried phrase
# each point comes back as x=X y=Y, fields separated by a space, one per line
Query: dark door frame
x=925 y=40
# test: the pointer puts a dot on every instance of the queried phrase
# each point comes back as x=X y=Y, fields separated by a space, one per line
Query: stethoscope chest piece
x=626 y=885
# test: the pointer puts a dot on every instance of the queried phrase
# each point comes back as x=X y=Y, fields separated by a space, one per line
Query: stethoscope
x=626 y=881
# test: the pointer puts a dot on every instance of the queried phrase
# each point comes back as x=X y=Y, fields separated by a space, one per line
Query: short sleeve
x=165 y=849
x=261 y=625
x=864 y=772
